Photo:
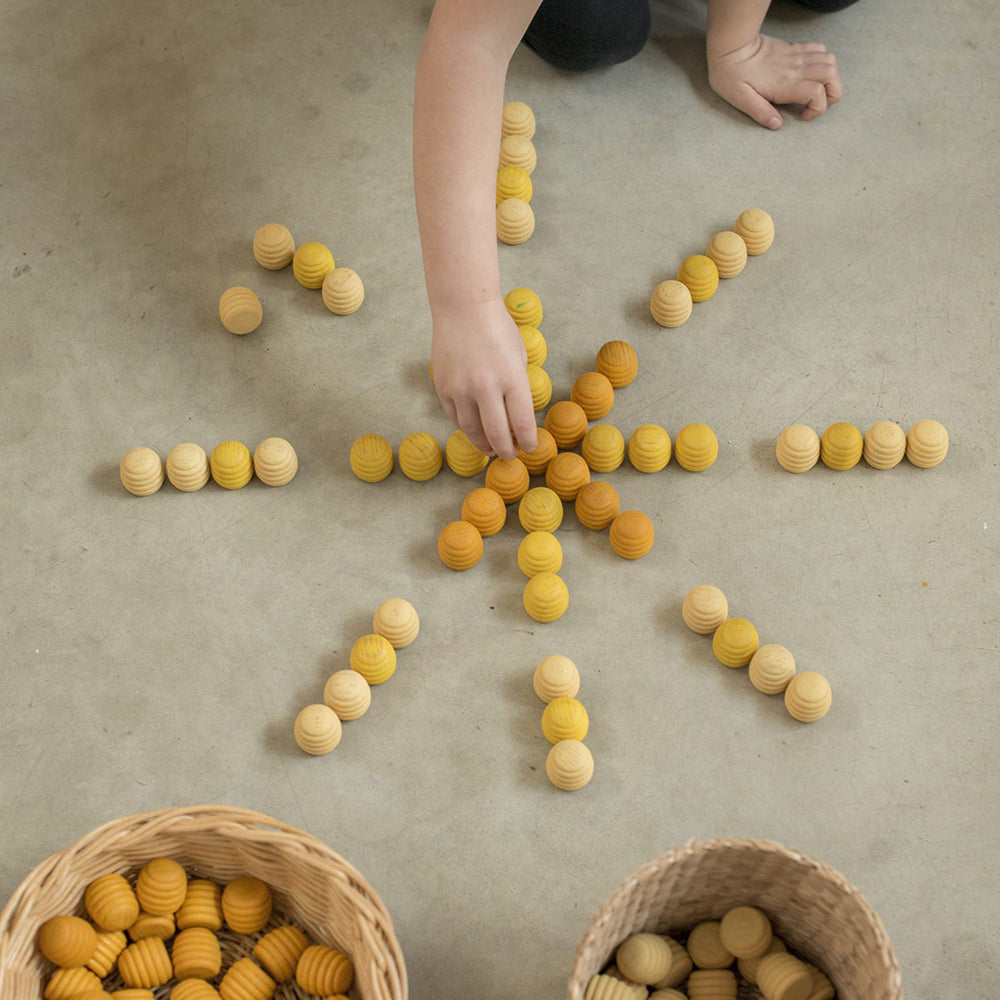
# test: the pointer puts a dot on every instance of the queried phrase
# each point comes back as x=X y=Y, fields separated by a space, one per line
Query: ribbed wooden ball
x=631 y=534
x=311 y=264
x=110 y=944
x=485 y=510
x=603 y=448
x=537 y=461
x=317 y=731
x=371 y=458
x=649 y=448
x=704 y=945
x=68 y=984
x=279 y=951
x=712 y=984
x=545 y=597
x=565 y=718
x=566 y=421
x=555 y=676
x=196 y=953
x=567 y=474
x=745 y=931
x=515 y=220
x=671 y=303
x=734 y=642
x=517 y=119
x=594 y=393
x=797 y=448
x=513 y=182
x=518 y=151
x=541 y=387
x=111 y=903
x=607 y=987
x=231 y=465
x=926 y=443
x=748 y=966
x=597 y=505
x=540 y=509
x=343 y=291
x=159 y=925
x=348 y=694
x=186 y=989
x=644 y=958
x=524 y=307
x=246 y=904
x=67 y=941
x=680 y=967
x=569 y=765
x=187 y=467
x=141 y=471
x=202 y=906
x=460 y=546
x=884 y=445
x=771 y=668
x=420 y=457
x=700 y=275
x=756 y=228
x=324 y=970
x=782 y=976
x=618 y=362
x=374 y=657
x=275 y=462
x=509 y=477
x=539 y=552
x=246 y=980
x=161 y=886
x=463 y=457
x=273 y=246
x=729 y=252
x=822 y=988
x=397 y=620
x=841 y=446
x=808 y=696
x=145 y=964
x=240 y=310
x=535 y=346
x=696 y=447
x=704 y=609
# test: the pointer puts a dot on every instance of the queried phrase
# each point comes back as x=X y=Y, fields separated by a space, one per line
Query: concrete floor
x=157 y=650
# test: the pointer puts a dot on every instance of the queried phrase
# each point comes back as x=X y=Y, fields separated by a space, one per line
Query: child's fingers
x=826 y=73
x=496 y=428
x=467 y=414
x=757 y=107
x=810 y=93
x=521 y=411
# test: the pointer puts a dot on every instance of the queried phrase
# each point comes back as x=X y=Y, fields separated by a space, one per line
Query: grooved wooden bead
x=631 y=534
x=324 y=970
x=374 y=657
x=279 y=952
x=603 y=987
x=729 y=252
x=597 y=505
x=246 y=904
x=540 y=385
x=273 y=246
x=594 y=393
x=460 y=546
x=705 y=946
x=745 y=932
x=618 y=362
x=196 y=954
x=926 y=444
x=231 y=465
x=67 y=984
x=202 y=906
x=808 y=696
x=110 y=944
x=670 y=303
x=246 y=980
x=748 y=966
x=111 y=903
x=734 y=643
x=704 y=609
x=565 y=718
x=556 y=676
x=537 y=461
x=240 y=310
x=420 y=457
x=159 y=925
x=644 y=958
x=311 y=264
x=513 y=182
x=540 y=509
x=840 y=446
x=822 y=988
x=138 y=993
x=317 y=732
x=566 y=421
x=649 y=448
x=770 y=670
x=187 y=467
x=539 y=552
x=190 y=989
x=67 y=941
x=680 y=967
x=397 y=620
x=797 y=448
x=884 y=445
x=348 y=694
x=711 y=984
x=783 y=977
x=546 y=597
x=141 y=471
x=485 y=510
x=518 y=151
x=343 y=291
x=371 y=458
x=696 y=447
x=667 y=994
x=96 y=993
x=509 y=477
x=569 y=765
x=756 y=228
x=700 y=275
x=515 y=220
x=566 y=475
x=535 y=347
x=145 y=964
x=524 y=306
x=161 y=886
x=603 y=448
x=517 y=119
x=463 y=457
x=275 y=462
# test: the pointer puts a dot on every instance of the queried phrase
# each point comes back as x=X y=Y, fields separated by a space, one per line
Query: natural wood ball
x=196 y=954
x=69 y=984
x=797 y=448
x=515 y=220
x=734 y=642
x=649 y=448
x=618 y=362
x=371 y=458
x=594 y=393
x=926 y=444
x=808 y=696
x=540 y=509
x=187 y=467
x=631 y=534
x=603 y=448
x=324 y=970
x=110 y=944
x=513 y=182
x=597 y=505
x=246 y=901
x=696 y=447
x=460 y=546
x=671 y=303
x=202 y=906
x=311 y=264
x=756 y=228
x=246 y=980
x=566 y=421
x=567 y=474
x=569 y=765
x=704 y=945
x=343 y=291
x=822 y=987
x=784 y=977
x=564 y=718
x=273 y=246
x=700 y=275
x=67 y=941
x=348 y=694
x=398 y=621
x=463 y=457
x=518 y=151
x=111 y=903
x=748 y=966
x=680 y=967
x=374 y=657
x=556 y=676
x=524 y=306
x=712 y=984
x=231 y=465
x=644 y=958
x=141 y=471
x=841 y=446
x=509 y=477
x=745 y=932
x=535 y=346
x=420 y=457
x=606 y=987
x=545 y=597
x=279 y=951
x=240 y=310
x=729 y=252
x=485 y=510
x=884 y=445
x=161 y=886
x=517 y=119
x=539 y=552
x=159 y=925
x=770 y=669
x=145 y=964
x=540 y=385
x=317 y=730
x=537 y=461
x=275 y=462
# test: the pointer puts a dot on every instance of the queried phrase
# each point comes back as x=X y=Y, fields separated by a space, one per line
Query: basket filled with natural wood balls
x=727 y=919
x=201 y=903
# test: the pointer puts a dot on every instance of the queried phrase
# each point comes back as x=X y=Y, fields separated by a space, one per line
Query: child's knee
x=579 y=39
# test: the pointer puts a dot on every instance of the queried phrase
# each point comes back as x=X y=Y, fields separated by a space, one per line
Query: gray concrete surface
x=155 y=651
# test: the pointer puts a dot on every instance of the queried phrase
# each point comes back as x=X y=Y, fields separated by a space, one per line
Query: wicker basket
x=311 y=886
x=818 y=913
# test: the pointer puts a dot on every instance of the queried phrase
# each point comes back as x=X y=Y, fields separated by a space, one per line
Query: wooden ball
x=631 y=534
x=556 y=676
x=463 y=457
x=460 y=546
x=649 y=448
x=186 y=989
x=680 y=967
x=275 y=462
x=745 y=932
x=884 y=445
x=196 y=954
x=311 y=264
x=67 y=941
x=565 y=718
x=202 y=906
x=734 y=643
x=704 y=945
x=513 y=182
x=187 y=467
x=617 y=362
x=246 y=902
x=569 y=765
x=517 y=119
x=783 y=977
x=509 y=477
x=141 y=471
x=371 y=458
x=540 y=509
x=696 y=447
x=566 y=475
x=841 y=446
x=926 y=444
x=597 y=505
x=540 y=385
x=279 y=951
x=566 y=421
x=756 y=228
x=159 y=925
x=644 y=958
x=770 y=670
x=670 y=303
x=603 y=448
x=535 y=347
x=797 y=448
x=374 y=657
x=420 y=457
x=161 y=886
x=515 y=220
x=110 y=944
x=729 y=252
x=111 y=903
x=485 y=510
x=317 y=731
x=518 y=151
x=808 y=696
x=546 y=597
x=69 y=984
x=145 y=964
x=704 y=609
x=537 y=461
x=608 y=987
x=348 y=694
x=748 y=966
x=240 y=310
x=594 y=393
x=273 y=246
x=712 y=984
x=397 y=620
x=246 y=980
x=324 y=970
x=343 y=291
x=822 y=988
x=700 y=275
x=539 y=552
x=231 y=465
x=524 y=307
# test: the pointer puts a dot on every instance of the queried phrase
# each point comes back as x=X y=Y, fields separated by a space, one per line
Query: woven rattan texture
x=312 y=887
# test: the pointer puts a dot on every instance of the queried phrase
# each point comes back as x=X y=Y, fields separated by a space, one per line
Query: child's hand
x=768 y=69
x=481 y=379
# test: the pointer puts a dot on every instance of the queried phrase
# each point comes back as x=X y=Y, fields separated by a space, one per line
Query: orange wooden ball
x=460 y=545
x=566 y=421
x=631 y=534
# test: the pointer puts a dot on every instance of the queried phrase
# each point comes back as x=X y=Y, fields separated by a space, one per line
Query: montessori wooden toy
x=161 y=886
x=517 y=119
x=822 y=988
x=513 y=182
x=246 y=980
x=518 y=151
x=110 y=944
x=273 y=246
x=597 y=505
x=797 y=448
x=704 y=609
x=485 y=510
x=782 y=976
x=670 y=303
x=159 y=925
x=141 y=471
x=700 y=275
x=770 y=670
x=111 y=903
x=311 y=264
x=539 y=552
x=420 y=457
x=926 y=444
x=463 y=457
x=515 y=220
x=68 y=984
x=374 y=657
x=594 y=393
x=734 y=643
x=603 y=448
x=712 y=984
x=348 y=694
x=704 y=945
x=196 y=954
x=535 y=346
x=343 y=291
x=884 y=445
x=317 y=731
x=509 y=477
x=680 y=967
x=566 y=421
x=275 y=462
x=524 y=306
x=231 y=465
x=605 y=987
x=564 y=718
x=540 y=385
x=631 y=534
x=840 y=446
x=187 y=467
x=145 y=964
x=324 y=970
x=279 y=951
x=567 y=474
x=748 y=966
x=729 y=252
x=67 y=941
x=696 y=447
x=540 y=509
x=649 y=448
x=202 y=906
x=545 y=597
x=537 y=461
x=644 y=958
x=460 y=546
x=808 y=696
x=569 y=765
x=371 y=458
x=240 y=310
x=745 y=931
x=556 y=676
x=618 y=362
x=756 y=228
x=246 y=903
x=397 y=620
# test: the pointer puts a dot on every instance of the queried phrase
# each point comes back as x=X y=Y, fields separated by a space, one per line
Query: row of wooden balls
x=189 y=468
x=842 y=446
x=515 y=217
x=569 y=764
x=771 y=667
x=313 y=265
x=347 y=694
x=698 y=277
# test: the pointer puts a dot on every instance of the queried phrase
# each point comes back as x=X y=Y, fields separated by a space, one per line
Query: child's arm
x=750 y=70
x=477 y=352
